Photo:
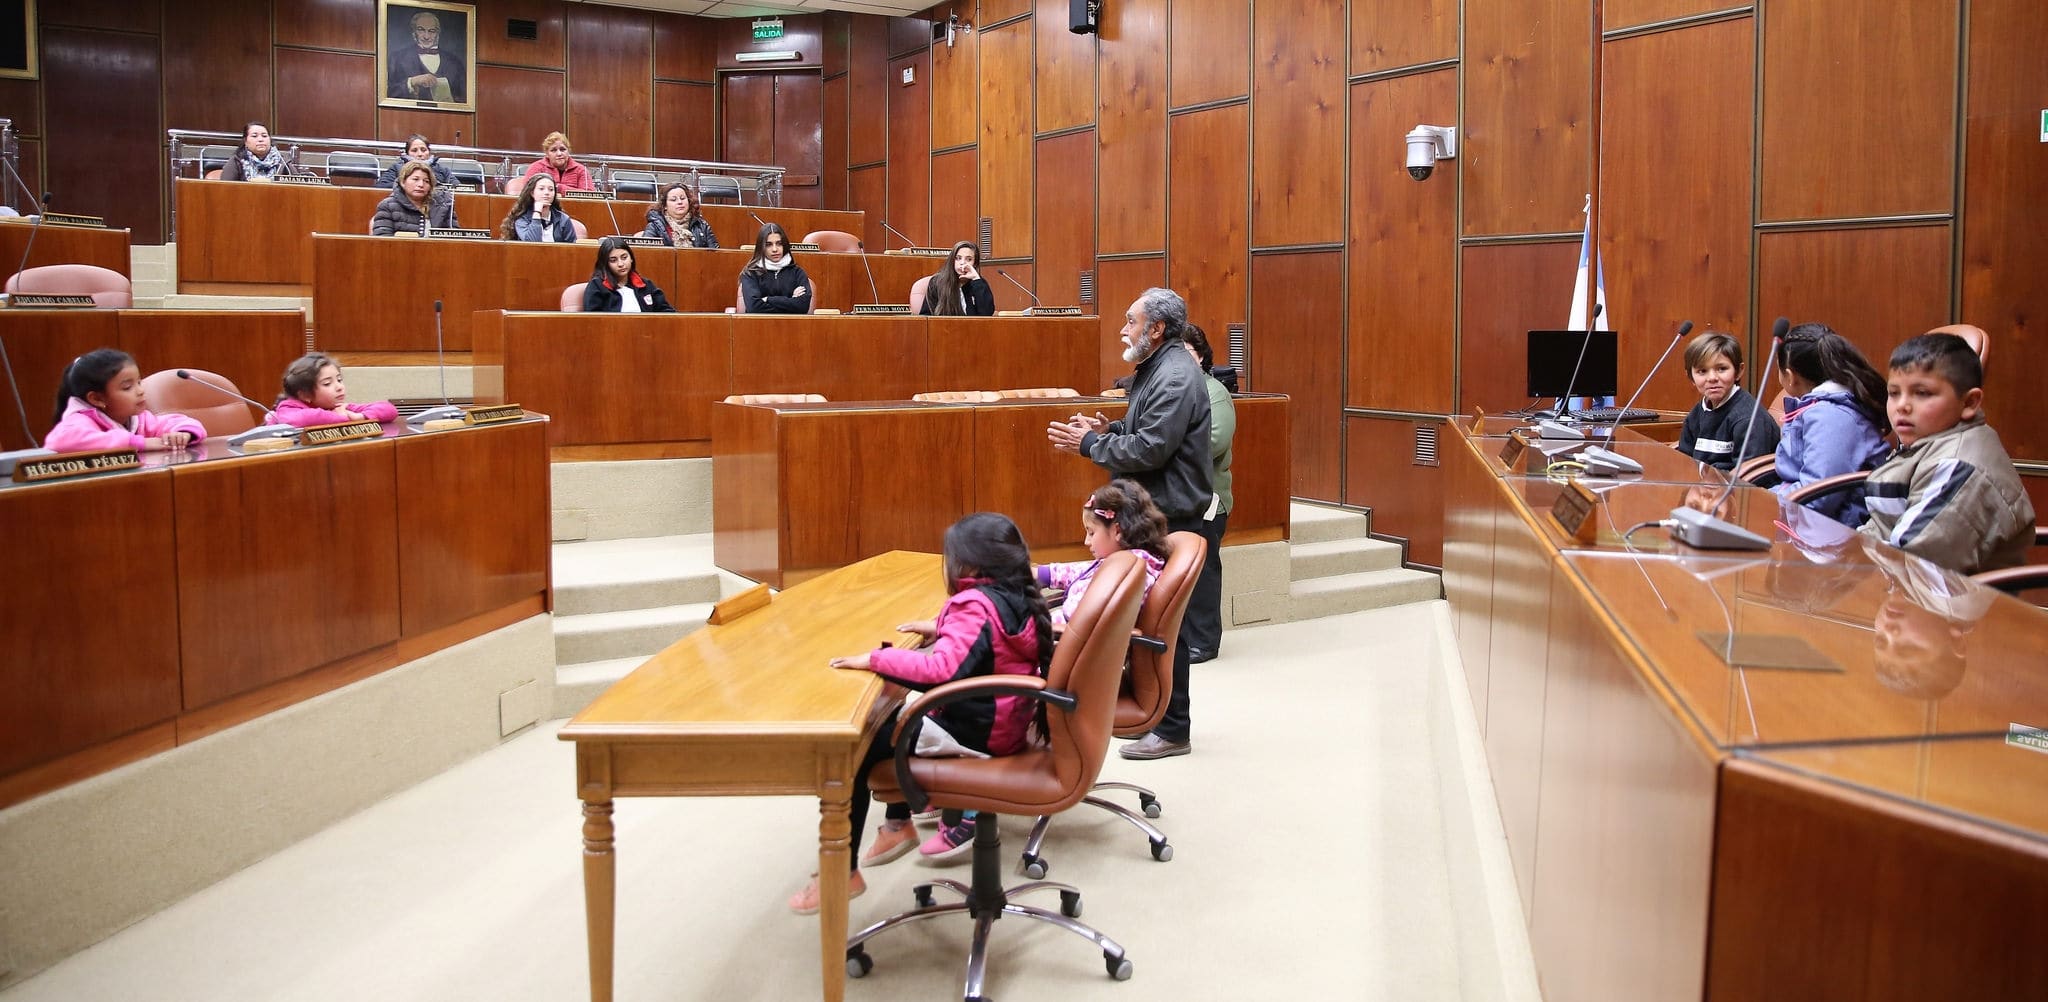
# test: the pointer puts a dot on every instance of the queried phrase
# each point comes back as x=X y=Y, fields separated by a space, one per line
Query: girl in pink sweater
x=101 y=406
x=314 y=394
x=1120 y=515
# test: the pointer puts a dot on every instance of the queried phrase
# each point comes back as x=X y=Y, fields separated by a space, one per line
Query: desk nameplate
x=1573 y=511
x=492 y=414
x=580 y=195
x=641 y=240
x=345 y=431
x=306 y=179
x=922 y=251
x=862 y=309
x=1511 y=451
x=74 y=464
x=74 y=219
x=457 y=233
x=44 y=301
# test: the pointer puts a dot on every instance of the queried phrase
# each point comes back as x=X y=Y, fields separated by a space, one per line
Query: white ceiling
x=727 y=8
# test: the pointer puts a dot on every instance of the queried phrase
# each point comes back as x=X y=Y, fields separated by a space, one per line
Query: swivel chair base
x=986 y=900
x=1036 y=866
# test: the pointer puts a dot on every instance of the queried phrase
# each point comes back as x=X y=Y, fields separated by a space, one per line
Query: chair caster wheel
x=1119 y=967
x=1036 y=867
x=1150 y=804
x=923 y=894
x=1162 y=852
x=858 y=963
x=1070 y=904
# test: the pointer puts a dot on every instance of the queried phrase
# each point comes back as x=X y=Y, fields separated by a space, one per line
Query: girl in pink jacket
x=314 y=394
x=995 y=623
x=101 y=406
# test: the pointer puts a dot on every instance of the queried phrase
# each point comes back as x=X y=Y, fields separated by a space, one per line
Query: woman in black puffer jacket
x=678 y=221
x=415 y=203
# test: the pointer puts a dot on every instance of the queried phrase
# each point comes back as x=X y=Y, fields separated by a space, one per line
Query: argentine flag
x=1593 y=275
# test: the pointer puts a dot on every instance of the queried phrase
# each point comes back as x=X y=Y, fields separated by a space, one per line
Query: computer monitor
x=1554 y=355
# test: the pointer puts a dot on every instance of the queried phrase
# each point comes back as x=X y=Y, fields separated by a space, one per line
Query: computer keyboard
x=1609 y=415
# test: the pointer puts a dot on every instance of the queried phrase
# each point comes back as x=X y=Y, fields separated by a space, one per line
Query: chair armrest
x=2013 y=580
x=1832 y=485
x=1156 y=645
x=913 y=717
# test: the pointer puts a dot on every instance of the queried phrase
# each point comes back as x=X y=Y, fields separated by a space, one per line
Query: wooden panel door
x=777 y=118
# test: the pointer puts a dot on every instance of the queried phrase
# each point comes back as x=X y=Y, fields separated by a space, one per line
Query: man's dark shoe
x=1198 y=656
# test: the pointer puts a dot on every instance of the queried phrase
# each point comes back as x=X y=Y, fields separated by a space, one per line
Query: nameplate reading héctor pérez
x=74 y=464
x=346 y=431
x=492 y=413
x=1573 y=511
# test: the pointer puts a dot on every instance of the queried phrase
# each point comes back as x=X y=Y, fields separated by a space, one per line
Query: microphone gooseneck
x=1020 y=285
x=1684 y=328
x=907 y=242
x=872 y=290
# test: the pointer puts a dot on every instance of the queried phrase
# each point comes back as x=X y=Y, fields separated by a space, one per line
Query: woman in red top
x=555 y=162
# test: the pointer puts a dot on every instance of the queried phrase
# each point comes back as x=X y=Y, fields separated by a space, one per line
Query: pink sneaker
x=949 y=844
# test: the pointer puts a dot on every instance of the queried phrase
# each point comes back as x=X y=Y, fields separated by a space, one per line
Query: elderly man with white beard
x=1163 y=444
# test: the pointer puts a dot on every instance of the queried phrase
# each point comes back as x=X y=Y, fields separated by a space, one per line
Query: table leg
x=600 y=879
x=834 y=854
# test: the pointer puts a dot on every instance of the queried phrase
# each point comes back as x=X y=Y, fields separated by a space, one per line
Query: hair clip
x=1104 y=514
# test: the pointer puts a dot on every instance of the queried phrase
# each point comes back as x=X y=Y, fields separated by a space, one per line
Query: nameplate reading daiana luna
x=346 y=431
x=74 y=219
x=492 y=413
x=301 y=179
x=74 y=464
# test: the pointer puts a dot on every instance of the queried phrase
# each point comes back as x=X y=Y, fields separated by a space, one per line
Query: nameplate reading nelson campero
x=346 y=431
x=492 y=414
x=74 y=464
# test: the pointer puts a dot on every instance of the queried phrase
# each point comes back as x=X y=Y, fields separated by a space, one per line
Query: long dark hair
x=695 y=213
x=1131 y=511
x=603 y=271
x=987 y=550
x=89 y=373
x=524 y=207
x=942 y=293
x=1817 y=353
x=761 y=242
x=303 y=375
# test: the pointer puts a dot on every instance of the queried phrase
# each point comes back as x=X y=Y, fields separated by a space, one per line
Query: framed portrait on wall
x=425 y=50
x=18 y=39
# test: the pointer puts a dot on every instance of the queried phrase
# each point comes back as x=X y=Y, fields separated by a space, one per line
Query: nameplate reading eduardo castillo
x=74 y=464
x=346 y=431
x=1574 y=511
x=492 y=414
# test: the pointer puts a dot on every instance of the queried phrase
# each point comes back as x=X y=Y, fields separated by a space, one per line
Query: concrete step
x=159 y=255
x=151 y=288
x=146 y=302
x=1341 y=556
x=576 y=686
x=1313 y=523
x=626 y=633
x=1342 y=593
x=629 y=498
x=616 y=574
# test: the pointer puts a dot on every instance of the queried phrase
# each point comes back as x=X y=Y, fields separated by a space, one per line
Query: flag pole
x=1593 y=198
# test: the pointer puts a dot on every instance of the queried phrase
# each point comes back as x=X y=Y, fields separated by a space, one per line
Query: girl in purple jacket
x=1835 y=419
x=314 y=394
x=995 y=623
x=101 y=406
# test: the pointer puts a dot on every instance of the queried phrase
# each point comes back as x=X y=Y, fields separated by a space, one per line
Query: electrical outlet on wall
x=909 y=75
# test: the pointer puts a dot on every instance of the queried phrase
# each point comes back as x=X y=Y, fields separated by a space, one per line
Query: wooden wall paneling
x=1407 y=499
x=40 y=343
x=104 y=248
x=993 y=11
x=972 y=353
x=804 y=33
x=1212 y=51
x=250 y=349
x=1117 y=285
x=1624 y=828
x=954 y=102
x=683 y=119
x=212 y=228
x=116 y=15
x=1208 y=234
x=799 y=138
x=868 y=193
x=21 y=102
x=609 y=359
x=82 y=669
x=328 y=24
x=451 y=128
x=1631 y=13
x=326 y=93
x=220 y=76
x=1065 y=204
x=840 y=505
x=253 y=605
x=1014 y=472
x=833 y=184
x=1821 y=158
x=452 y=564
x=548 y=51
x=1508 y=290
x=611 y=55
x=956 y=200
x=1524 y=589
x=1523 y=141
x=516 y=108
x=910 y=146
x=877 y=358
x=746 y=495
x=1298 y=123
x=910 y=34
x=685 y=48
x=1404 y=251
x=1296 y=340
x=1876 y=287
x=868 y=80
x=1471 y=498
x=1006 y=161
x=1131 y=139
x=1261 y=469
x=30 y=152
x=1386 y=36
x=463 y=275
x=89 y=79
x=1064 y=70
x=748 y=118
x=837 y=40
x=2004 y=184
x=1676 y=243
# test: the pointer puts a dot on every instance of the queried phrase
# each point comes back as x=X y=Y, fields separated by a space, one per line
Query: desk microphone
x=1020 y=285
x=447 y=408
x=871 y=278
x=907 y=242
x=1564 y=404
x=764 y=224
x=1600 y=460
x=1703 y=531
x=614 y=216
x=260 y=431
x=35 y=448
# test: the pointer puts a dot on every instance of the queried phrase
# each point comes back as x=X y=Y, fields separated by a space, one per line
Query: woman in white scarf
x=256 y=160
x=773 y=282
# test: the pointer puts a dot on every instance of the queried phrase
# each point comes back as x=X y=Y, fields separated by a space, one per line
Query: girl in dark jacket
x=678 y=220
x=536 y=217
x=958 y=289
x=773 y=282
x=616 y=286
x=414 y=204
x=417 y=149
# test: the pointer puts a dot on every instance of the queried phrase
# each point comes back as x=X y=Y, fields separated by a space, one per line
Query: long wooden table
x=155 y=606
x=237 y=237
x=378 y=293
x=251 y=348
x=1658 y=850
x=750 y=708
x=57 y=244
x=799 y=489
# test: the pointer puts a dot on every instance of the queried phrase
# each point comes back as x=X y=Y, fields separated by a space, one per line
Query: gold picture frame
x=18 y=63
x=413 y=33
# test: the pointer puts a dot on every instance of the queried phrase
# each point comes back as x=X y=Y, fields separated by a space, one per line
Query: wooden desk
x=61 y=245
x=250 y=348
x=750 y=709
x=799 y=489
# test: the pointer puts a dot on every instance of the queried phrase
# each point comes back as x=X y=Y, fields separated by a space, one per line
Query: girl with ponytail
x=1834 y=417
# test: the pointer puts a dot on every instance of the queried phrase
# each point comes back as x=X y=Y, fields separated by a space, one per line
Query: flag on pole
x=1590 y=273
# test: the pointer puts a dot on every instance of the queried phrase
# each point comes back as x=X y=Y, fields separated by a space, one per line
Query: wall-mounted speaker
x=523 y=29
x=1081 y=16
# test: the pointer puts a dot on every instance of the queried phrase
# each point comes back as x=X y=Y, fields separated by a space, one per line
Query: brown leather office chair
x=1758 y=471
x=2028 y=581
x=776 y=398
x=917 y=293
x=833 y=241
x=572 y=297
x=1039 y=393
x=1147 y=686
x=109 y=289
x=1978 y=338
x=1828 y=485
x=515 y=184
x=956 y=397
x=1079 y=691
x=582 y=231
x=218 y=413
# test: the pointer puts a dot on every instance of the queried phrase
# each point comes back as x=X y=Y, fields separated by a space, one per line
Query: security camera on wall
x=1428 y=144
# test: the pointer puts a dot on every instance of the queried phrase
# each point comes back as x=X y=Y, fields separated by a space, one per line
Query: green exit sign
x=767 y=28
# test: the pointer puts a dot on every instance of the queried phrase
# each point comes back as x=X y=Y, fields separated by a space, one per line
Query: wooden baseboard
x=244 y=289
x=425 y=358
x=43 y=777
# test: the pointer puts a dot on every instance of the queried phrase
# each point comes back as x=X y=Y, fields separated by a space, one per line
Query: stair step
x=1340 y=556
x=1317 y=524
x=612 y=574
x=1342 y=593
x=603 y=636
x=576 y=686
x=182 y=302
